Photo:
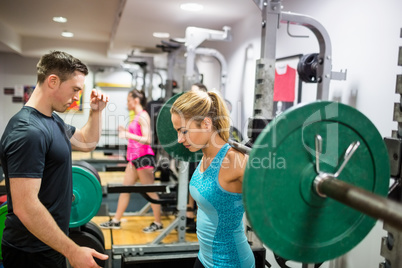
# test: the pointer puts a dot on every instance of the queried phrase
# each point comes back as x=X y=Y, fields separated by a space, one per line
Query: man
x=36 y=157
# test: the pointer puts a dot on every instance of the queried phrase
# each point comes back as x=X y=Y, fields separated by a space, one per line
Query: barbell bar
x=364 y=201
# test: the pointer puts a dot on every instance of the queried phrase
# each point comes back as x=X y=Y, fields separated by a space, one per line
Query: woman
x=141 y=160
x=202 y=122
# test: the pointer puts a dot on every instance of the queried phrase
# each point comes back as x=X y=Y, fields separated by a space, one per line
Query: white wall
x=365 y=40
x=14 y=70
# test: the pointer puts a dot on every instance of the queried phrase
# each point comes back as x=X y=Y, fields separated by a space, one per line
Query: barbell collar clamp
x=348 y=154
x=319 y=179
x=318 y=151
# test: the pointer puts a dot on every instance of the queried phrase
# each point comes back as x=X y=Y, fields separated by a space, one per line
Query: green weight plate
x=3 y=214
x=167 y=135
x=283 y=208
x=87 y=196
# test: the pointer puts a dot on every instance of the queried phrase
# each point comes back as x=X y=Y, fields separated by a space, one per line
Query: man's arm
x=37 y=219
x=86 y=138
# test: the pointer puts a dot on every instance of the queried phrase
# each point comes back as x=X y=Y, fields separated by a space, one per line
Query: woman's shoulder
x=232 y=168
x=235 y=155
x=235 y=161
x=144 y=116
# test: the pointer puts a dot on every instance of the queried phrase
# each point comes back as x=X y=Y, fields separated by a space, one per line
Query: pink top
x=134 y=148
x=284 y=86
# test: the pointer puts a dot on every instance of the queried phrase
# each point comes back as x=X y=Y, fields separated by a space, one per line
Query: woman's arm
x=145 y=124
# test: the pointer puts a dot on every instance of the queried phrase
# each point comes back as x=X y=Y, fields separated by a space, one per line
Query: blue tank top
x=220 y=228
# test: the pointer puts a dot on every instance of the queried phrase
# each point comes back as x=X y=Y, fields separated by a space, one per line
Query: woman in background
x=141 y=160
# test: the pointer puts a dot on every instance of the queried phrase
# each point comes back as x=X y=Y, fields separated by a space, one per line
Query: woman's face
x=131 y=102
x=192 y=135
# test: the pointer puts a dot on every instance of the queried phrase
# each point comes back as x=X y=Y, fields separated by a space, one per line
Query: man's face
x=68 y=92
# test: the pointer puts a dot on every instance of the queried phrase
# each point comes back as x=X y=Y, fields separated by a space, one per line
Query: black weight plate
x=93 y=229
x=84 y=164
x=85 y=239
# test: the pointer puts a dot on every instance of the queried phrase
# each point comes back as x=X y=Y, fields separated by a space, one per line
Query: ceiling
x=106 y=31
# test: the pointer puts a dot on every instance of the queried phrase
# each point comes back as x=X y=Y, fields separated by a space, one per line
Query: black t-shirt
x=37 y=146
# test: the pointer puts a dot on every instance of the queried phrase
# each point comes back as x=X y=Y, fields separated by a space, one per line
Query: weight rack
x=391 y=245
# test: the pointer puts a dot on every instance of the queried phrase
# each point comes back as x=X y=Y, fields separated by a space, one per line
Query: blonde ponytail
x=220 y=115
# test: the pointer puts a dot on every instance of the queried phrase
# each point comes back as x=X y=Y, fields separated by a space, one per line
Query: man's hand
x=84 y=258
x=98 y=100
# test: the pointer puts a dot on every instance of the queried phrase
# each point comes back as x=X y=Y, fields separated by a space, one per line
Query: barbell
x=315 y=182
x=87 y=194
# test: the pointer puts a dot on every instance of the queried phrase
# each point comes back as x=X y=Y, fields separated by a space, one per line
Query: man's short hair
x=59 y=63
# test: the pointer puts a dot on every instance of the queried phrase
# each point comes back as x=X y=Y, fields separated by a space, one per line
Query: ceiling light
x=60 y=19
x=192 y=7
x=67 y=34
x=161 y=35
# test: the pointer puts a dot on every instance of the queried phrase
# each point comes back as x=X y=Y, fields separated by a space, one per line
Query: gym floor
x=131 y=234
